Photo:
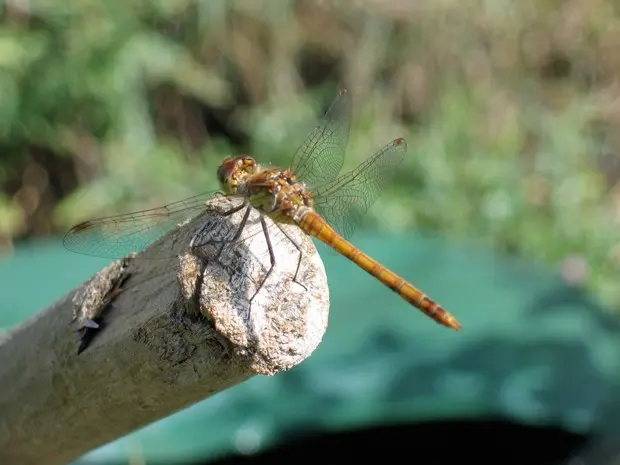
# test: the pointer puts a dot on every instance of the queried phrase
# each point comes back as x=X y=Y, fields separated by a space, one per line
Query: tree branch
x=179 y=331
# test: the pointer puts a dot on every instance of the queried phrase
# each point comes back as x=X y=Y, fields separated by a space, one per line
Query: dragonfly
x=310 y=193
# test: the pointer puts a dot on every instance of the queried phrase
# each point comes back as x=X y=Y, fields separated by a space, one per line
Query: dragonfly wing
x=120 y=235
x=344 y=201
x=320 y=157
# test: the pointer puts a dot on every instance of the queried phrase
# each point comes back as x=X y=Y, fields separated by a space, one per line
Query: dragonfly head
x=233 y=171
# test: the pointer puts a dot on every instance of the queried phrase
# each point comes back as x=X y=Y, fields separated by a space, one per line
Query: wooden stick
x=179 y=331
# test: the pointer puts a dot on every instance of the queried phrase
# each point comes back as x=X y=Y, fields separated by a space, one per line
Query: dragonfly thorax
x=274 y=190
x=268 y=189
x=233 y=171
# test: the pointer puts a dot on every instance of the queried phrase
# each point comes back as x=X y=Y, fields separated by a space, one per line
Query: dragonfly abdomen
x=313 y=224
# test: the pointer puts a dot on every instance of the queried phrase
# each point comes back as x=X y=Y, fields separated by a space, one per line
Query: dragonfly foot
x=300 y=283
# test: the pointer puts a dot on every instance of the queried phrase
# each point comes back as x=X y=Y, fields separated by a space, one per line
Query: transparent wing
x=344 y=201
x=320 y=157
x=120 y=235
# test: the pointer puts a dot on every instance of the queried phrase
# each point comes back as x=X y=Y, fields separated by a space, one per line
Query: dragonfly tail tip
x=452 y=323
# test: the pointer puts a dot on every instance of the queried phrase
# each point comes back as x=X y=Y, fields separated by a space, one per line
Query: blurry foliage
x=510 y=110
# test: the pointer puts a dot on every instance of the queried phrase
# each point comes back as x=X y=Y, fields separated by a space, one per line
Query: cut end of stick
x=271 y=321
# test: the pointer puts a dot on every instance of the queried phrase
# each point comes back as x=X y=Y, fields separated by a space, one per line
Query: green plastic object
x=532 y=348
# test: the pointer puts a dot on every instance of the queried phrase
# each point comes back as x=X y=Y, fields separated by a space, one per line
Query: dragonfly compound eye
x=225 y=170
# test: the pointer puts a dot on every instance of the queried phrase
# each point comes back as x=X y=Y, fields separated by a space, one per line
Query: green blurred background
x=509 y=199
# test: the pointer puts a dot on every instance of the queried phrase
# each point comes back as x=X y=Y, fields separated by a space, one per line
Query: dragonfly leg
x=298 y=247
x=237 y=235
x=226 y=242
x=272 y=257
x=203 y=228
